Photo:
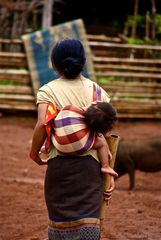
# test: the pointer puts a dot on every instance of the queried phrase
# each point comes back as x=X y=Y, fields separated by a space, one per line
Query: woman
x=73 y=184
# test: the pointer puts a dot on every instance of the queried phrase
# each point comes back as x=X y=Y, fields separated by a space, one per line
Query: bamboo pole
x=113 y=142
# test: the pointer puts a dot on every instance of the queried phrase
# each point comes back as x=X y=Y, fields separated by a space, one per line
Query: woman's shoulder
x=90 y=81
x=49 y=84
x=48 y=87
x=93 y=83
x=45 y=92
x=86 y=79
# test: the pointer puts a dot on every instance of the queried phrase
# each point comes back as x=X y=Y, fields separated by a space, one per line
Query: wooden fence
x=131 y=74
x=15 y=84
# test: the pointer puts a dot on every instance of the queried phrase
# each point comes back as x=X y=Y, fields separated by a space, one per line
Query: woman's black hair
x=100 y=117
x=68 y=57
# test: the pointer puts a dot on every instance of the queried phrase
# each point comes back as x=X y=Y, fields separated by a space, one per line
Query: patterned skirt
x=73 y=194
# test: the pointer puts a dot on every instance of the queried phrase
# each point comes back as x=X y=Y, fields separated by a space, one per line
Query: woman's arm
x=39 y=134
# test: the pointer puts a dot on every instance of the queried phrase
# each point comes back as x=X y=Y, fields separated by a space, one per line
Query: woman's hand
x=108 y=192
x=38 y=160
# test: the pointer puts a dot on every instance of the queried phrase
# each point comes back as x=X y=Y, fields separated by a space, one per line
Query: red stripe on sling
x=71 y=138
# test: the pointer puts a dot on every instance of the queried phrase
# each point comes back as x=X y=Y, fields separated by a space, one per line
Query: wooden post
x=133 y=34
x=113 y=142
x=47 y=13
x=153 y=19
x=147 y=26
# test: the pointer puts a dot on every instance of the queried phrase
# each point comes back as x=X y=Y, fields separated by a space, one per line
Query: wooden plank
x=135 y=103
x=17 y=102
x=130 y=94
x=126 y=88
x=14 y=75
x=138 y=111
x=13 y=59
x=133 y=84
x=138 y=104
x=145 y=109
x=14 y=89
x=10 y=45
x=22 y=107
x=133 y=92
x=16 y=97
x=110 y=53
x=126 y=67
x=138 y=116
x=9 y=62
x=21 y=72
x=126 y=60
x=102 y=37
x=11 y=41
x=128 y=75
x=13 y=54
x=124 y=46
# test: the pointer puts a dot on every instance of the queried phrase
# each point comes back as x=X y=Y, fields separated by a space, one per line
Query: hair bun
x=70 y=66
x=69 y=61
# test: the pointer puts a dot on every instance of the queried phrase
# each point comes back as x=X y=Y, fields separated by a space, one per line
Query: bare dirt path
x=131 y=215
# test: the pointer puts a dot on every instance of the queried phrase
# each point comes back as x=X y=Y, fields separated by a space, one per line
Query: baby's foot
x=109 y=170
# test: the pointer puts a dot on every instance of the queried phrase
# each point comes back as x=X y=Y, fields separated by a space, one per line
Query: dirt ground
x=131 y=215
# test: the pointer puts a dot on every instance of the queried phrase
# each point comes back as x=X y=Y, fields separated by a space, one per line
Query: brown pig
x=143 y=155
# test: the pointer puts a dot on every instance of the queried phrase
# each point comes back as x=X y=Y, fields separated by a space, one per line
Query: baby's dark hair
x=100 y=117
x=68 y=57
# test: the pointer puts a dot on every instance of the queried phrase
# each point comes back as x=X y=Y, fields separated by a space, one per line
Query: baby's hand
x=43 y=149
x=43 y=154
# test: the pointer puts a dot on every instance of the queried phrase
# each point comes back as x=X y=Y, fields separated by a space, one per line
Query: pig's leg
x=130 y=166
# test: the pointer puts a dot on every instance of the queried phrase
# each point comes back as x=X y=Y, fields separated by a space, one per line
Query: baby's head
x=68 y=57
x=100 y=117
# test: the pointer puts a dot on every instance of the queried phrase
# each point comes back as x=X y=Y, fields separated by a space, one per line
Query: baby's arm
x=100 y=142
x=104 y=154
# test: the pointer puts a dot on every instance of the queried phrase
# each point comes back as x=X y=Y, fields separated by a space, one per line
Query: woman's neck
x=79 y=77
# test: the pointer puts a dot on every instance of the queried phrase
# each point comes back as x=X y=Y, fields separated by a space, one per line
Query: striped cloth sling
x=66 y=129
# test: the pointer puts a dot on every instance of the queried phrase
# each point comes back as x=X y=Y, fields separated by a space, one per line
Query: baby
x=77 y=130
